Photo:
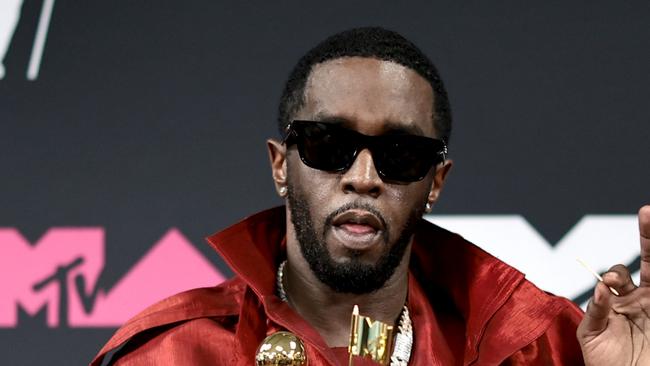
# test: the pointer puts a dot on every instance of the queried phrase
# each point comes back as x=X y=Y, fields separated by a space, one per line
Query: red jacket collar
x=253 y=248
x=453 y=273
x=455 y=289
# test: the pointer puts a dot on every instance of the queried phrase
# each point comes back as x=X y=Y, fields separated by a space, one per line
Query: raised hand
x=616 y=329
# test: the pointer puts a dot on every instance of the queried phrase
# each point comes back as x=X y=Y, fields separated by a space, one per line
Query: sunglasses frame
x=361 y=142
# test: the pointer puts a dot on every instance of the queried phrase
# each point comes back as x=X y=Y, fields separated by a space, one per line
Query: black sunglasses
x=333 y=148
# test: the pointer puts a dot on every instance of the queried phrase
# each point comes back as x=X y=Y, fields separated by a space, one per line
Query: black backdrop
x=153 y=114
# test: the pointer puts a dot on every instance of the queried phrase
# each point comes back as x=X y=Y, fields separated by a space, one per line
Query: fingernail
x=611 y=276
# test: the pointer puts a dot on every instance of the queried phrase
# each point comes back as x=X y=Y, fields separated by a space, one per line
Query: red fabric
x=467 y=308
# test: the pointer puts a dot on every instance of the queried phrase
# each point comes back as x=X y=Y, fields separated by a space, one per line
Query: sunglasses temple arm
x=287 y=135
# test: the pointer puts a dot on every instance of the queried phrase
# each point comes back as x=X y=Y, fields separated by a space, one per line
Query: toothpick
x=598 y=277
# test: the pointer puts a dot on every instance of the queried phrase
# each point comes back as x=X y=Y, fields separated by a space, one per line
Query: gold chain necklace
x=403 y=340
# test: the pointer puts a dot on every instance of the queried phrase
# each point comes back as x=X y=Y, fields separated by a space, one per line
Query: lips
x=358 y=220
x=358 y=229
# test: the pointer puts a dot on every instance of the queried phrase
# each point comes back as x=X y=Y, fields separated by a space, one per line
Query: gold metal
x=369 y=338
x=281 y=349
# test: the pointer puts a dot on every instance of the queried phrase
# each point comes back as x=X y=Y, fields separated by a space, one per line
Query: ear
x=439 y=180
x=277 y=157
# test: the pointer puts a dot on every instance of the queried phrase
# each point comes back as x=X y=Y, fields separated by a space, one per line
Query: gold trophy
x=281 y=349
x=369 y=338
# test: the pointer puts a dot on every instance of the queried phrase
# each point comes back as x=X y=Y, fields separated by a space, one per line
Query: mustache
x=358 y=206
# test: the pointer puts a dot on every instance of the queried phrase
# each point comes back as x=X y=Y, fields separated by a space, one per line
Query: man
x=365 y=123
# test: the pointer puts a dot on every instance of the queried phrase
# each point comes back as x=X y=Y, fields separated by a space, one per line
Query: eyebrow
x=395 y=128
x=390 y=128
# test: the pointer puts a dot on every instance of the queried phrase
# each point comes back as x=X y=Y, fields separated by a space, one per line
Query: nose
x=362 y=177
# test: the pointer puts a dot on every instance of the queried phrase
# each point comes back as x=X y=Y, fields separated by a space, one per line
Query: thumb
x=597 y=314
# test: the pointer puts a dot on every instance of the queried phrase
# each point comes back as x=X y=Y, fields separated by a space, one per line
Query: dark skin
x=616 y=329
x=372 y=97
x=375 y=97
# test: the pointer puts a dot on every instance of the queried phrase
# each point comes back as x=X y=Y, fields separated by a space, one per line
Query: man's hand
x=616 y=329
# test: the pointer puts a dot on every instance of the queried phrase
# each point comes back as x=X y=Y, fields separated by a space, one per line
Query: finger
x=620 y=279
x=596 y=316
x=644 y=231
x=635 y=303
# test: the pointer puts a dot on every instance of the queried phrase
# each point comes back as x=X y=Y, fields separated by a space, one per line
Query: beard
x=353 y=276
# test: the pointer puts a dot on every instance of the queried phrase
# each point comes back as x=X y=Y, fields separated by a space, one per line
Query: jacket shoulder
x=218 y=303
x=533 y=328
x=503 y=311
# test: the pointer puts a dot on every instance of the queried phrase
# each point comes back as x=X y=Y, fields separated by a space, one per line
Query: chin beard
x=353 y=276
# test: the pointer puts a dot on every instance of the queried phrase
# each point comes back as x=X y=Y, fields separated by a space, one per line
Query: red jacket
x=467 y=308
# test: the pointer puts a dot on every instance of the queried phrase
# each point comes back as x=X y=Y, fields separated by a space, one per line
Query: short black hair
x=372 y=42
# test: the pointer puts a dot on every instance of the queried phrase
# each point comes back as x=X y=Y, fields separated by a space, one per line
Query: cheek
x=409 y=196
x=315 y=186
x=402 y=201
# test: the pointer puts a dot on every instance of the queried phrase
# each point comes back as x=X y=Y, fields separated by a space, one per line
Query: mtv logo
x=60 y=272
x=600 y=240
x=10 y=12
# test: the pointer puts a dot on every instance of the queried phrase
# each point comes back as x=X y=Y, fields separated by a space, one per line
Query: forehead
x=369 y=94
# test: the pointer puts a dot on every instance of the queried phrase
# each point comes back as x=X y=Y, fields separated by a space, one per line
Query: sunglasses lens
x=400 y=158
x=325 y=147
x=404 y=158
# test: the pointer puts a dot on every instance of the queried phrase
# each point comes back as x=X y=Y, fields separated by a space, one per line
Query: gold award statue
x=370 y=338
x=281 y=349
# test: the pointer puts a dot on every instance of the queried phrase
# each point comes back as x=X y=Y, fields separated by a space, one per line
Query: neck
x=329 y=312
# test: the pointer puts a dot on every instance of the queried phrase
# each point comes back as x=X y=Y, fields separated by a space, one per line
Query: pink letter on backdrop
x=35 y=277
x=43 y=277
x=171 y=266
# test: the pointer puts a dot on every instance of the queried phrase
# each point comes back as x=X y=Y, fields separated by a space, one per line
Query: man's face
x=353 y=228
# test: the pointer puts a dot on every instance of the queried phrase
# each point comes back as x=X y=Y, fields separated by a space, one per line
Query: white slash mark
x=39 y=41
x=9 y=17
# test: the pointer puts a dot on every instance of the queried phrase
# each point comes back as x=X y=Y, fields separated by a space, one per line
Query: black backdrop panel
x=153 y=115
